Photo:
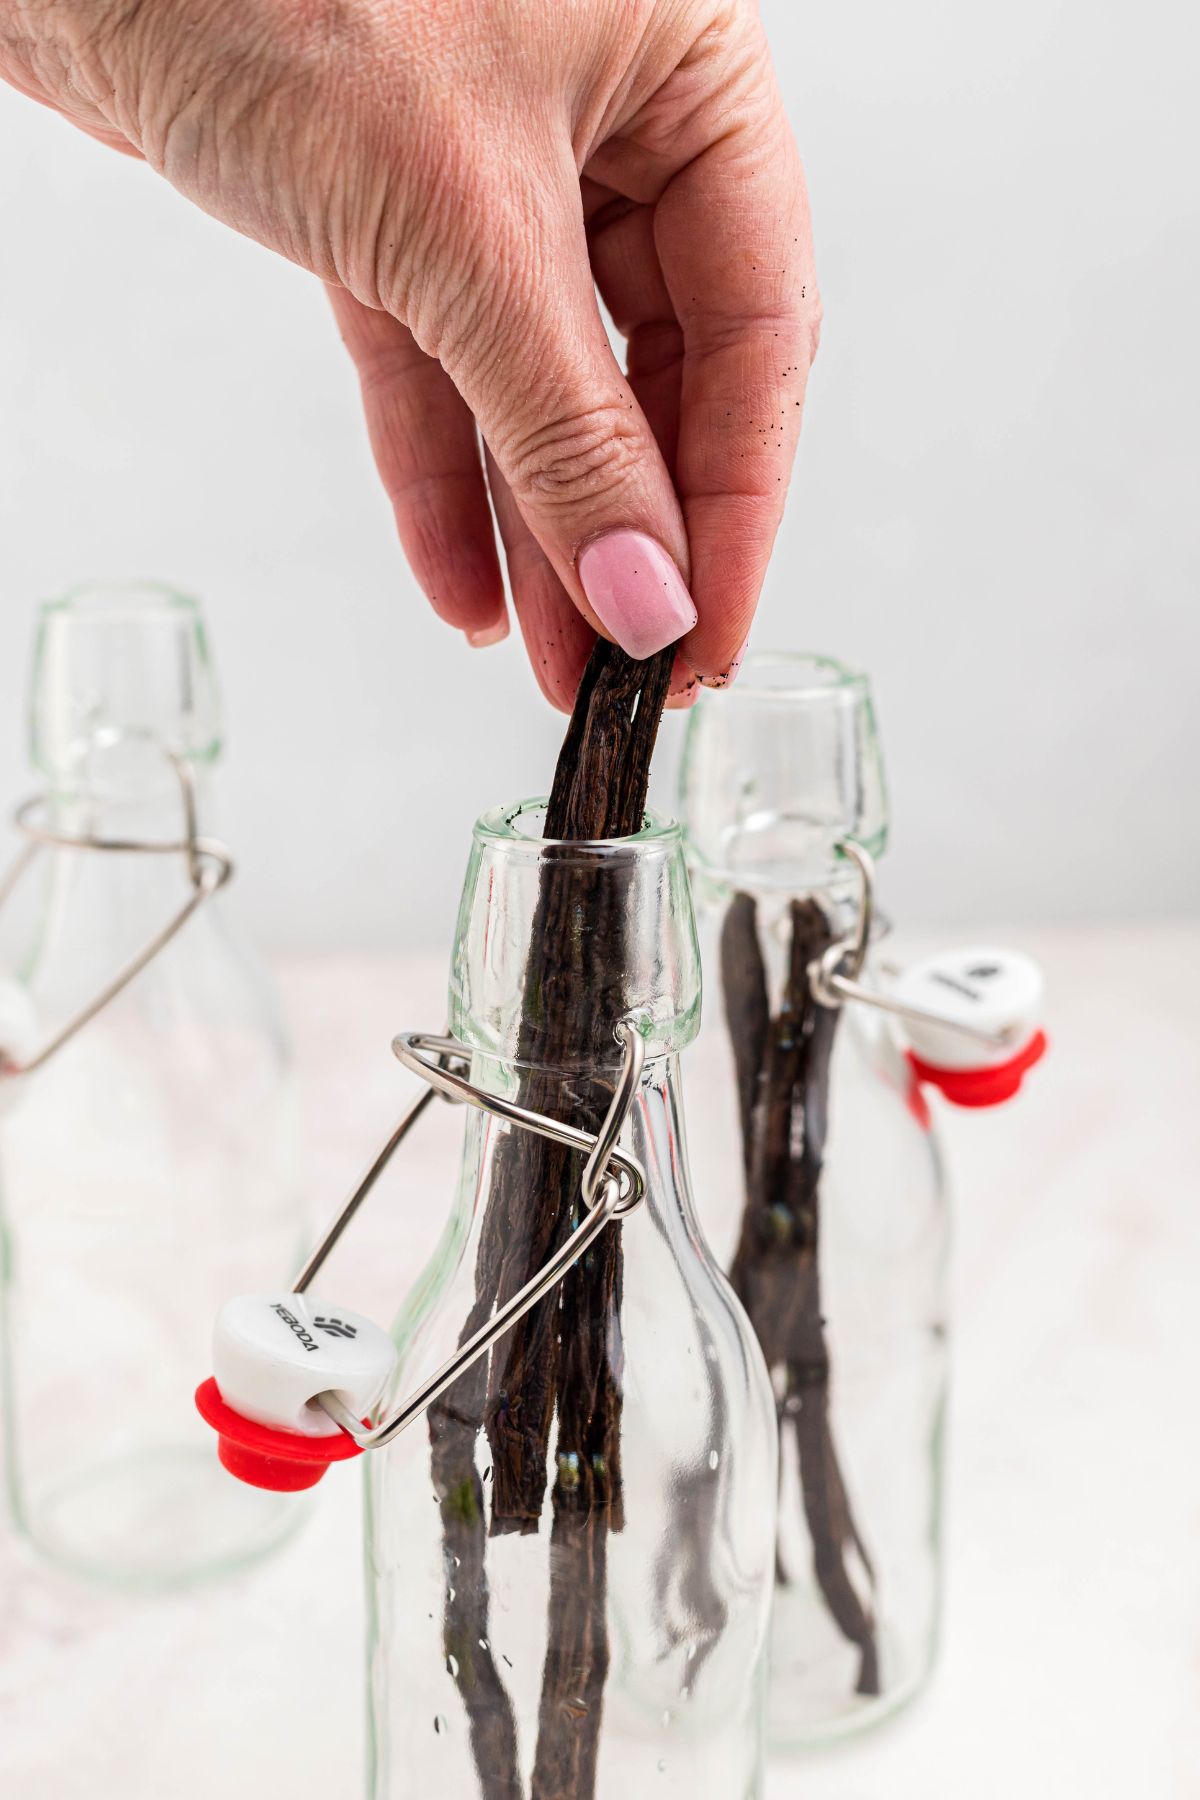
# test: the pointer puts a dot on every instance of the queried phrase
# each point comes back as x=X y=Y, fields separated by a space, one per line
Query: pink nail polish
x=636 y=591
x=484 y=635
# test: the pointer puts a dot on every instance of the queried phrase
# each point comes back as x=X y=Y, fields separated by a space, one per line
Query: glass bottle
x=569 y=1594
x=821 y=1188
x=146 y=1165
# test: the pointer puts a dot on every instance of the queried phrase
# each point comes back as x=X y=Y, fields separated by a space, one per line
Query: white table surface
x=1071 y=1659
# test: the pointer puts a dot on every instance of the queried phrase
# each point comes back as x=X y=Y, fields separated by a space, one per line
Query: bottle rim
x=82 y=639
x=122 y=597
x=513 y=830
x=794 y=675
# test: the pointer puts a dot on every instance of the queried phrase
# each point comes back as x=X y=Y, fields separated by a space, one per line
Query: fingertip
x=426 y=449
x=727 y=676
x=558 y=641
x=684 y=690
x=482 y=637
x=452 y=554
x=557 y=678
x=729 y=557
x=558 y=699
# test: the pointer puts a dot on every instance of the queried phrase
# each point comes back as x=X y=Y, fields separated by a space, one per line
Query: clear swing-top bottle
x=145 y=1152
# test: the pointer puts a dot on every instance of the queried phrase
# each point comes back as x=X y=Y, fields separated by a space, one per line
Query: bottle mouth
x=795 y=676
x=779 y=770
x=129 y=770
x=518 y=830
x=122 y=683
x=623 y=907
x=122 y=601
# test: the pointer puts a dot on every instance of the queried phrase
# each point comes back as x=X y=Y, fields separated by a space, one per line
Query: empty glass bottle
x=570 y=1560
x=820 y=1187
x=146 y=1164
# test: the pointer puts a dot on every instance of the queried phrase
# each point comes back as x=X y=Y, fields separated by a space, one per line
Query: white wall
x=995 y=510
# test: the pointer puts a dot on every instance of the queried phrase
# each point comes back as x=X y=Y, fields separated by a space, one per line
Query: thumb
x=565 y=429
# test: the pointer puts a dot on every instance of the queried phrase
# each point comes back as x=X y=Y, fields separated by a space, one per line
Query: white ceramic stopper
x=274 y=1353
x=994 y=990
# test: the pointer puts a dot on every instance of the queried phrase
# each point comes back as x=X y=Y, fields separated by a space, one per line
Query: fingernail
x=729 y=675
x=483 y=635
x=636 y=591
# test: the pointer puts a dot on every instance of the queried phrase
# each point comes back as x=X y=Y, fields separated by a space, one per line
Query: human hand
x=465 y=174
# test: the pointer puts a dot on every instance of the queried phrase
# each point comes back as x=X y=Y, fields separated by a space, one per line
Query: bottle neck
x=98 y=908
x=780 y=768
x=657 y=1137
x=653 y=1131
x=827 y=880
x=128 y=785
x=560 y=942
x=124 y=725
x=145 y=818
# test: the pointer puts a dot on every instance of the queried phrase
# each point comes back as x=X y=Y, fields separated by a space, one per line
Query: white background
x=995 y=511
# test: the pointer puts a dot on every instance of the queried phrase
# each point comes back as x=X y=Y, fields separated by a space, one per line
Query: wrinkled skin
x=464 y=175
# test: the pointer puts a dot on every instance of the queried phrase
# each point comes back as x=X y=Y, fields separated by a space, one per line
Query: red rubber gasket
x=981 y=1087
x=283 y=1461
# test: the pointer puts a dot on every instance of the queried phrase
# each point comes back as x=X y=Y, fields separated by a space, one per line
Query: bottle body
x=820 y=1188
x=146 y=1171
x=599 y=1630
x=883 y=1246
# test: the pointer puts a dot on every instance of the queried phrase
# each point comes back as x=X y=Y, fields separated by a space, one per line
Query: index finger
x=734 y=240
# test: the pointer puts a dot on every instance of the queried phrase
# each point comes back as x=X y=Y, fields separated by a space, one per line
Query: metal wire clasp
x=209 y=866
x=834 y=975
x=613 y=1184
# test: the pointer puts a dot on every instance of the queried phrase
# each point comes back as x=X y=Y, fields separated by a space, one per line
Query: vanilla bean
x=455 y=1422
x=691 y=1606
x=586 y=1507
x=747 y=1007
x=573 y=999
x=558 y=1359
x=599 y=791
x=782 y=1072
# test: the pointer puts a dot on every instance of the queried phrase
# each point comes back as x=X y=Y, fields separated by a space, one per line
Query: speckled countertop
x=1071 y=1659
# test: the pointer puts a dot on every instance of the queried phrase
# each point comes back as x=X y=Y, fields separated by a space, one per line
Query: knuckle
x=454 y=260
x=450 y=310
x=577 y=458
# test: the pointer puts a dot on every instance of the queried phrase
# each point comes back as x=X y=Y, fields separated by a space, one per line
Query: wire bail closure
x=613 y=1185
x=209 y=866
x=835 y=975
